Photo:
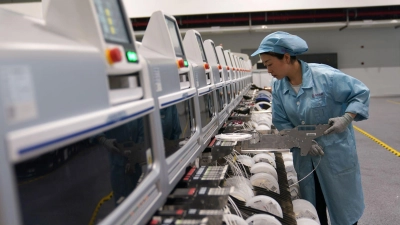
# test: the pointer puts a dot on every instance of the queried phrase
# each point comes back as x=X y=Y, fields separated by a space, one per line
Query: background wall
x=371 y=55
x=139 y=8
x=33 y=9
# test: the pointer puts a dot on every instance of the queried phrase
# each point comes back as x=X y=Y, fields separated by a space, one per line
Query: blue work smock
x=326 y=93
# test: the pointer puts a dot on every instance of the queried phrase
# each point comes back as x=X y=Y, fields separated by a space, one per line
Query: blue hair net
x=282 y=42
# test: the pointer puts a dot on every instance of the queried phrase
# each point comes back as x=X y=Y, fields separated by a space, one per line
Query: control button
x=180 y=63
x=179 y=212
x=113 y=55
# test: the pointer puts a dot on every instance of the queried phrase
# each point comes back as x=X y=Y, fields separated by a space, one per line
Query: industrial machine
x=175 y=94
x=227 y=75
x=233 y=75
x=76 y=118
x=219 y=80
x=98 y=128
x=204 y=80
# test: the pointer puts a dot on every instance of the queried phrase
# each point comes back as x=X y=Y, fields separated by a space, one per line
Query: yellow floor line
x=381 y=143
x=96 y=210
x=393 y=102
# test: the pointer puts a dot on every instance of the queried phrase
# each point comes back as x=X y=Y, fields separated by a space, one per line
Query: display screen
x=200 y=42
x=112 y=21
x=222 y=50
x=233 y=89
x=207 y=111
x=228 y=93
x=178 y=125
x=221 y=99
x=230 y=59
x=215 y=52
x=85 y=181
x=175 y=37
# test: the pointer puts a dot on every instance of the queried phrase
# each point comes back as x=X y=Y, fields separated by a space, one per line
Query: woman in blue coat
x=310 y=94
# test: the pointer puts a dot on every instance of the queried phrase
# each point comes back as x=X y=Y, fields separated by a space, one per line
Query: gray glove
x=315 y=149
x=108 y=143
x=339 y=124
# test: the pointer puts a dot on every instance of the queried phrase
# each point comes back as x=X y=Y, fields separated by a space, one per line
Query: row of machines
x=97 y=128
x=239 y=180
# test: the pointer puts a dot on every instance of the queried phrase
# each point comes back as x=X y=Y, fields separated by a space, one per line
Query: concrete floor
x=380 y=169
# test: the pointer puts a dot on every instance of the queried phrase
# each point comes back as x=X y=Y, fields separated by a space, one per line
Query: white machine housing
x=66 y=90
x=218 y=72
x=234 y=76
x=226 y=74
x=204 y=80
x=173 y=82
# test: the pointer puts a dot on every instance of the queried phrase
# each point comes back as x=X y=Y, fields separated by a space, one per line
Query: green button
x=131 y=56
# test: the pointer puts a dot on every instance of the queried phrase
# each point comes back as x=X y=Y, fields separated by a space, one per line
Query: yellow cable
x=393 y=101
x=96 y=210
x=186 y=126
x=387 y=147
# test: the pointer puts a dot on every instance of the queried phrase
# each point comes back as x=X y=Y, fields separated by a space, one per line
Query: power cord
x=309 y=173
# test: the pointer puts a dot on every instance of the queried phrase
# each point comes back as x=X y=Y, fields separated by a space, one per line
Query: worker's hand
x=108 y=143
x=269 y=89
x=338 y=124
x=315 y=149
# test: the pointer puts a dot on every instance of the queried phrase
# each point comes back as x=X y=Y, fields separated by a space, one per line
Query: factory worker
x=313 y=94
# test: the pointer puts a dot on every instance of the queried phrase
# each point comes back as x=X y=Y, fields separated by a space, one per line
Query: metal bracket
x=300 y=137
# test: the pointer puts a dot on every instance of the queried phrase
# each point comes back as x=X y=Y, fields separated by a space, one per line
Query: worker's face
x=278 y=68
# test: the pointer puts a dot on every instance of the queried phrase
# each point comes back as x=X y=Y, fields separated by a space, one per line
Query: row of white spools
x=263 y=169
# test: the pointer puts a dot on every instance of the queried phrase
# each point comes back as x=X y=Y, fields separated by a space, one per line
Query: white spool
x=289 y=167
x=242 y=189
x=294 y=192
x=287 y=156
x=260 y=109
x=261 y=120
x=263 y=167
x=264 y=157
x=265 y=180
x=306 y=221
x=304 y=209
x=260 y=219
x=233 y=137
x=265 y=203
x=246 y=160
x=233 y=219
x=238 y=194
x=292 y=173
x=292 y=179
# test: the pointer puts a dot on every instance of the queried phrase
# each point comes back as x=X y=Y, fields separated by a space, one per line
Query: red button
x=179 y=212
x=180 y=63
x=191 y=191
x=154 y=222
x=115 y=55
